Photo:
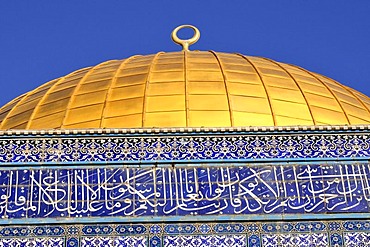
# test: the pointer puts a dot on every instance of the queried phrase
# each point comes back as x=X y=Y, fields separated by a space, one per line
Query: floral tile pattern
x=205 y=147
x=263 y=234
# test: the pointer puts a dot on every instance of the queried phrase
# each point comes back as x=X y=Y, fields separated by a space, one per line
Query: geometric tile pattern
x=293 y=240
x=355 y=239
x=205 y=147
x=193 y=190
x=32 y=242
x=205 y=241
x=127 y=241
x=350 y=233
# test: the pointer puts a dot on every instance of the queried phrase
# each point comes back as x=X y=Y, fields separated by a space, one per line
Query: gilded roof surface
x=187 y=89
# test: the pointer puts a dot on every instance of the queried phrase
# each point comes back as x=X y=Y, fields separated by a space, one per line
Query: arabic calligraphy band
x=179 y=190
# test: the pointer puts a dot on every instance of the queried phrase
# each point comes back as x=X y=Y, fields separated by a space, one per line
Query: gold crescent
x=185 y=42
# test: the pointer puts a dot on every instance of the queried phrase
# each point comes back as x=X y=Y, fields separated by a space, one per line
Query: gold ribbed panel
x=187 y=89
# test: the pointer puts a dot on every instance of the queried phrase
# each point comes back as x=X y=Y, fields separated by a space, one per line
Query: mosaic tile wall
x=273 y=178
x=252 y=234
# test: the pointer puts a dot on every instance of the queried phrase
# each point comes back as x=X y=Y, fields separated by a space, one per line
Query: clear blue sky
x=41 y=39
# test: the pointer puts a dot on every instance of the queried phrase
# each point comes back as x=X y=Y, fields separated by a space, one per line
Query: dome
x=187 y=89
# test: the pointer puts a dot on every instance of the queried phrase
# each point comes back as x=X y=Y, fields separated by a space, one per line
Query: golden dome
x=187 y=89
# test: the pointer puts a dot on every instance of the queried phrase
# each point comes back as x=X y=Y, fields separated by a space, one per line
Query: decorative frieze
x=183 y=147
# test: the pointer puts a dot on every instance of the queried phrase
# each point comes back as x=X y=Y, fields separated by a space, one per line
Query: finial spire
x=185 y=42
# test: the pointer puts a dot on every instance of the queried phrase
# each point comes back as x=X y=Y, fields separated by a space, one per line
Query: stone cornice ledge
x=275 y=129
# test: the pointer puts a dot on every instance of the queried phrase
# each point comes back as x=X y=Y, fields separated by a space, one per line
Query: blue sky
x=42 y=40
